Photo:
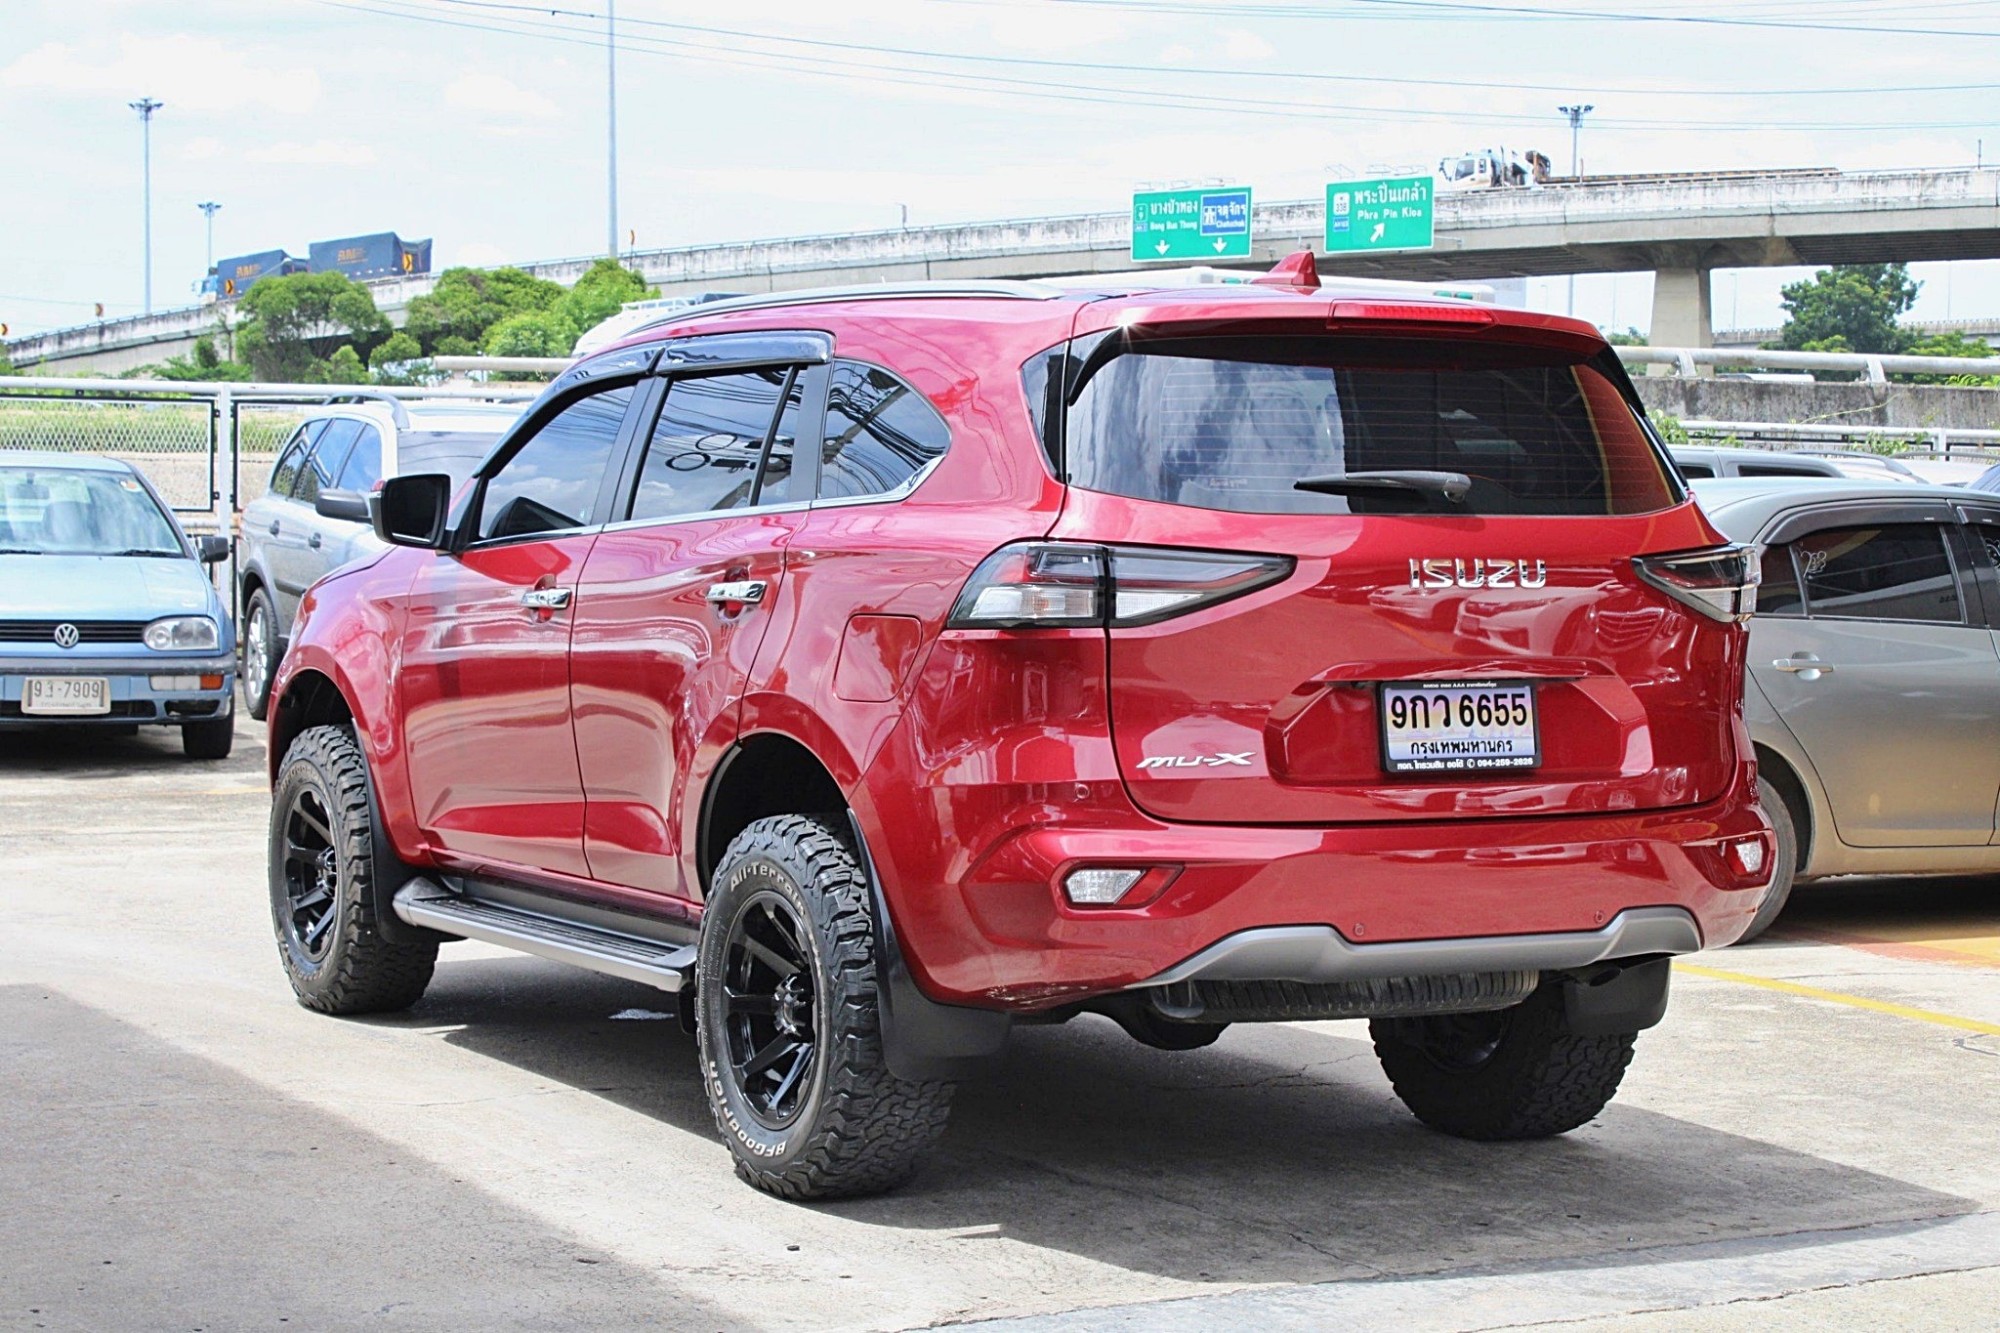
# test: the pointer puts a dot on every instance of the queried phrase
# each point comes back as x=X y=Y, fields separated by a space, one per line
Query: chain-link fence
x=173 y=440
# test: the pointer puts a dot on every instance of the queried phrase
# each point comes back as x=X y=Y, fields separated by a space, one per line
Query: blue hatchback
x=107 y=614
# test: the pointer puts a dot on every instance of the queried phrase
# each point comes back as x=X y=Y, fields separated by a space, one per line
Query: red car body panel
x=982 y=765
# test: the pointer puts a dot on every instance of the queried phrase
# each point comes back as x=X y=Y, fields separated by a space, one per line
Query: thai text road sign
x=1191 y=224
x=1394 y=214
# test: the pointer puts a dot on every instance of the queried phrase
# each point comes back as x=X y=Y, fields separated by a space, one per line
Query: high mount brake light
x=1720 y=582
x=1411 y=312
x=1055 y=585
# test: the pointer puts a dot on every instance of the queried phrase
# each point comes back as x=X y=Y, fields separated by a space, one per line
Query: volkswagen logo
x=66 y=635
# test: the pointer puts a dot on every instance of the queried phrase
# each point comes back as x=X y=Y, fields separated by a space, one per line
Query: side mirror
x=349 y=505
x=211 y=550
x=412 y=511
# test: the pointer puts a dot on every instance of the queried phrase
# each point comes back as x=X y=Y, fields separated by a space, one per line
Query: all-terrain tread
x=363 y=972
x=1542 y=1081
x=873 y=1127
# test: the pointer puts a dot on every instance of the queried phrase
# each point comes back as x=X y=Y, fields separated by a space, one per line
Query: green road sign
x=1380 y=214
x=1191 y=224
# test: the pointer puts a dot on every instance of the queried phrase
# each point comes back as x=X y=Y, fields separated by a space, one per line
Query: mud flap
x=1616 y=997
x=923 y=1041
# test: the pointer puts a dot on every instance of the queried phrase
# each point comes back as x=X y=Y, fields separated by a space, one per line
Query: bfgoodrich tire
x=790 y=1031
x=322 y=876
x=260 y=653
x=1513 y=1073
x=1785 y=862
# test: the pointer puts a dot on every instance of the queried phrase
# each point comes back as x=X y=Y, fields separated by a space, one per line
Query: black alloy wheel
x=311 y=869
x=771 y=1009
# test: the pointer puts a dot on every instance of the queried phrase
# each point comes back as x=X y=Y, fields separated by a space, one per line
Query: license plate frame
x=65 y=696
x=1504 y=743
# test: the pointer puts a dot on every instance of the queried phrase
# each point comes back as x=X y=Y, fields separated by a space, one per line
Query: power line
x=1262 y=75
x=1094 y=94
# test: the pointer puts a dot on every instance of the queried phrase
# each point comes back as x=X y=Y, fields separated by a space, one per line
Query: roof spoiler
x=1298 y=269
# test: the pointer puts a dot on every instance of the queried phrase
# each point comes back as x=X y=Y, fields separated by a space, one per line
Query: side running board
x=667 y=966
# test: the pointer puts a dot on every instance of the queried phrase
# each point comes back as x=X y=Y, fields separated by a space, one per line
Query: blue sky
x=481 y=122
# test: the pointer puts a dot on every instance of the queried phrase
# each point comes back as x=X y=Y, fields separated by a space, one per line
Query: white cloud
x=199 y=74
x=494 y=95
x=319 y=153
x=204 y=148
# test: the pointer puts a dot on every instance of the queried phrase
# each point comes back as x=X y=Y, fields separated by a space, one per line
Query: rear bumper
x=1317 y=954
x=1329 y=904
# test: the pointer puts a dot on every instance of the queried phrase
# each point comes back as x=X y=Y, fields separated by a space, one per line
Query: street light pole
x=611 y=124
x=146 y=106
x=209 y=208
x=1576 y=114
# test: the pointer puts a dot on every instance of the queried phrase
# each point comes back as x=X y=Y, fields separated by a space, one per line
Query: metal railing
x=1875 y=367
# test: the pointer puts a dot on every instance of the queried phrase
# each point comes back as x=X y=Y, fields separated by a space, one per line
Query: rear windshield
x=1232 y=423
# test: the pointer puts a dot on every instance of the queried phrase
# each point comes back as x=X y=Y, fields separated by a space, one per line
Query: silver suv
x=314 y=517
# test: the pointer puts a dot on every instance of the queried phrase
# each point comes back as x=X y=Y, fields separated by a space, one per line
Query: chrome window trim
x=675 y=520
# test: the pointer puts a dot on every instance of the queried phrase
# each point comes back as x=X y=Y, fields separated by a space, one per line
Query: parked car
x=1858 y=466
x=1874 y=696
x=1698 y=461
x=313 y=518
x=876 y=670
x=107 y=613
x=1939 y=470
x=1989 y=480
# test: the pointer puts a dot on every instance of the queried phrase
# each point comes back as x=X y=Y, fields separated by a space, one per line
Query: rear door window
x=1779 y=593
x=708 y=443
x=1233 y=423
x=880 y=432
x=285 y=476
x=1899 y=571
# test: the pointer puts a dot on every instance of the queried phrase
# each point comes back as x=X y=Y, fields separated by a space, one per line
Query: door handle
x=275 y=525
x=745 y=592
x=313 y=541
x=1804 y=665
x=546 y=599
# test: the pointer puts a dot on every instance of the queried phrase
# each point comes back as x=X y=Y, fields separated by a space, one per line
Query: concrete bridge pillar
x=1681 y=311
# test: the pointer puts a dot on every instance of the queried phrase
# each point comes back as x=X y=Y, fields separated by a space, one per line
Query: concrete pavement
x=187 y=1148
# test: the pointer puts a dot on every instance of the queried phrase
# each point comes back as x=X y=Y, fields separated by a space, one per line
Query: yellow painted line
x=1841 y=997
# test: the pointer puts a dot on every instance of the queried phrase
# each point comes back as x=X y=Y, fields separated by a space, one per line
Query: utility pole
x=611 y=123
x=146 y=106
x=209 y=208
x=1576 y=114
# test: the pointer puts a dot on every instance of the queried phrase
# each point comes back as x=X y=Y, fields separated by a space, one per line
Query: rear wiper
x=1451 y=486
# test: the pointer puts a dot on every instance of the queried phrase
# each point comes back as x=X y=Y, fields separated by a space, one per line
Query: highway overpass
x=1680 y=227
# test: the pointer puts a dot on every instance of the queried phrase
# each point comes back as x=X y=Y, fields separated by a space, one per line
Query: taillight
x=1054 y=585
x=1720 y=582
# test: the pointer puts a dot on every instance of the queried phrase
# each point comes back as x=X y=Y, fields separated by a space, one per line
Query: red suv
x=877 y=669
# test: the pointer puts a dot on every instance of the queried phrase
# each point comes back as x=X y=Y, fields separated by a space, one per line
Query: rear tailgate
x=1516 y=611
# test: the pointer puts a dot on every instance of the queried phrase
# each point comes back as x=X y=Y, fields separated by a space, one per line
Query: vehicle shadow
x=1866 y=909
x=1279 y=1154
x=98 y=752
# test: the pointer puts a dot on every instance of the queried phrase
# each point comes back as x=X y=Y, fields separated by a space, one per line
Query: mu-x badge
x=1479 y=572
x=1223 y=760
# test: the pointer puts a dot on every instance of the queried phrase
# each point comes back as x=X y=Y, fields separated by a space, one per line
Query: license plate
x=59 y=696
x=1463 y=726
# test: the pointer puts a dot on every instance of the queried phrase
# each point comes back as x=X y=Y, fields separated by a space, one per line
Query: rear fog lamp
x=1117 y=886
x=1748 y=854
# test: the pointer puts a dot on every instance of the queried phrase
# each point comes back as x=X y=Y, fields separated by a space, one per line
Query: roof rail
x=397 y=412
x=1002 y=289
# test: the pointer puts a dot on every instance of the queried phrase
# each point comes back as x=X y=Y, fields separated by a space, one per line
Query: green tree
x=1630 y=338
x=343 y=367
x=599 y=293
x=1951 y=344
x=464 y=303
x=202 y=363
x=399 y=360
x=1848 y=308
x=535 y=333
x=292 y=324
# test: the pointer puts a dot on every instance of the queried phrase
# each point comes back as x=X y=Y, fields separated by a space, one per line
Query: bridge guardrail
x=1877 y=367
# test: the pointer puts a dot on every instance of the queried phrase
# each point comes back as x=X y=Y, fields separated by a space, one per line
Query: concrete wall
x=1856 y=404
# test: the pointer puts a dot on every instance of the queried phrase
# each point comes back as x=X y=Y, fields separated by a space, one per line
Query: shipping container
x=380 y=255
x=232 y=277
